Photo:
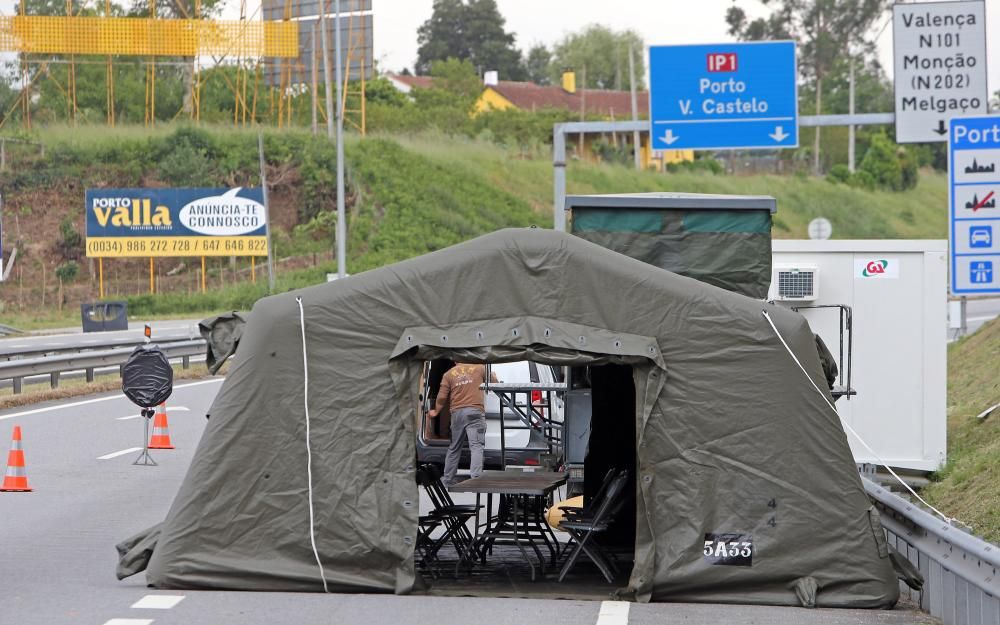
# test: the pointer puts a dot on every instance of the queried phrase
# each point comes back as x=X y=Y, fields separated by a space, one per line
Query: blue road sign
x=974 y=175
x=724 y=96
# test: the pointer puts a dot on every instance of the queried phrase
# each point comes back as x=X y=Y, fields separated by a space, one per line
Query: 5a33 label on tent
x=729 y=549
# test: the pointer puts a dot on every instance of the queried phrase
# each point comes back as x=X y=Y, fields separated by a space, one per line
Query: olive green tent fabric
x=222 y=336
x=733 y=442
x=728 y=248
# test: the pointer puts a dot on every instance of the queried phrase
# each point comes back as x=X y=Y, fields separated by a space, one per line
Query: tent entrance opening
x=605 y=397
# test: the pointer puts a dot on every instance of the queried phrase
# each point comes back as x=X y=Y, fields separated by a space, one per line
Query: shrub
x=70 y=244
x=607 y=152
x=185 y=166
x=862 y=180
x=709 y=165
x=67 y=271
x=882 y=162
x=909 y=169
x=839 y=173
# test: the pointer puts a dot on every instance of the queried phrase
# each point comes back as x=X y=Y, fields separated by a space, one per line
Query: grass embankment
x=920 y=213
x=419 y=194
x=968 y=488
x=408 y=196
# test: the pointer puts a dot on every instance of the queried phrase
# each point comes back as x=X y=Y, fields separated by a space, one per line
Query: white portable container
x=898 y=291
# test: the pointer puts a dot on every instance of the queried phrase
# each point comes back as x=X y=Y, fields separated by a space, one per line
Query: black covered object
x=147 y=377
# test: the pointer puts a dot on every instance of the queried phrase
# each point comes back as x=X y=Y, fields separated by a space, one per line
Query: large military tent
x=304 y=477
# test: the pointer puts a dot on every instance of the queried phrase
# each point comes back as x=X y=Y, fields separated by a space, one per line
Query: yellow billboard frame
x=136 y=36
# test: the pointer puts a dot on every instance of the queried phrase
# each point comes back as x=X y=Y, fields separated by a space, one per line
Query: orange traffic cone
x=16 y=479
x=161 y=436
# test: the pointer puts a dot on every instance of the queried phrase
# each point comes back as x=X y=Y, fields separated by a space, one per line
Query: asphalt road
x=75 y=339
x=57 y=556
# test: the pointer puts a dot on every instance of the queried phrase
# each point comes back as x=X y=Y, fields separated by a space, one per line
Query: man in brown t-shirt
x=461 y=393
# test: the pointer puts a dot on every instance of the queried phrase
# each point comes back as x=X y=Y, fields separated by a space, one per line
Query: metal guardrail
x=87 y=348
x=960 y=571
x=54 y=366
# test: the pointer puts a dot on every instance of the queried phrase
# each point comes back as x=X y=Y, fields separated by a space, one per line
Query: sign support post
x=964 y=327
x=267 y=214
x=100 y=277
x=341 y=214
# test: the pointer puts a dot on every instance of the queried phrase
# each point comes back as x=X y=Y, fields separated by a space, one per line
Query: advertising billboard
x=176 y=222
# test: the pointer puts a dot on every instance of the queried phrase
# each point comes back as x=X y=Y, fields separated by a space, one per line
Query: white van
x=524 y=442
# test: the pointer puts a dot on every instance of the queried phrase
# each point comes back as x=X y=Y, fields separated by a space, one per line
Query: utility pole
x=326 y=69
x=583 y=106
x=267 y=220
x=315 y=82
x=635 y=108
x=341 y=213
x=850 y=129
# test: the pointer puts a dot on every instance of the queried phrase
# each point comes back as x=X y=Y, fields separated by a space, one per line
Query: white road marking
x=92 y=341
x=158 y=602
x=115 y=454
x=169 y=410
x=986 y=318
x=51 y=344
x=129 y=621
x=85 y=402
x=613 y=613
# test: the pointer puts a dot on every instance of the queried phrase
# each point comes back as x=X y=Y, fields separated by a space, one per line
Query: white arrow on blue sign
x=974 y=175
x=724 y=96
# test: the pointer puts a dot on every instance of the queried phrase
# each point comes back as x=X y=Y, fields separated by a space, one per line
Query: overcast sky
x=660 y=22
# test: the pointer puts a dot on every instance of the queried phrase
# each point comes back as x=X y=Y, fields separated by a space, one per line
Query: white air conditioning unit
x=796 y=283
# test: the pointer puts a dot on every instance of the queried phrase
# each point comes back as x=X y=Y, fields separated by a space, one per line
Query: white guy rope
x=847 y=425
x=309 y=475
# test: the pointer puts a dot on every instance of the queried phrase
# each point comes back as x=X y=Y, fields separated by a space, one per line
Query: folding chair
x=426 y=547
x=593 y=503
x=582 y=529
x=452 y=516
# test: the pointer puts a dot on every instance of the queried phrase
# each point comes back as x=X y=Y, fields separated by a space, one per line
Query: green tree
x=456 y=85
x=890 y=166
x=995 y=103
x=536 y=65
x=602 y=53
x=380 y=90
x=872 y=88
x=473 y=31
x=825 y=31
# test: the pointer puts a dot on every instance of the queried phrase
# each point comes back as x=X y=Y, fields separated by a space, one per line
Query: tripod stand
x=144 y=458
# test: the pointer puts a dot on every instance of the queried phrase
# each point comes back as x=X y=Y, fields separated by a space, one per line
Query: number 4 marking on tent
x=772 y=522
x=772 y=503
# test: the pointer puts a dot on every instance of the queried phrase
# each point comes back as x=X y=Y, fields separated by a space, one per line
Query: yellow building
x=606 y=104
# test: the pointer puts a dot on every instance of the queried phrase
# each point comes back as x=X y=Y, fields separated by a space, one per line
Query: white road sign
x=940 y=66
